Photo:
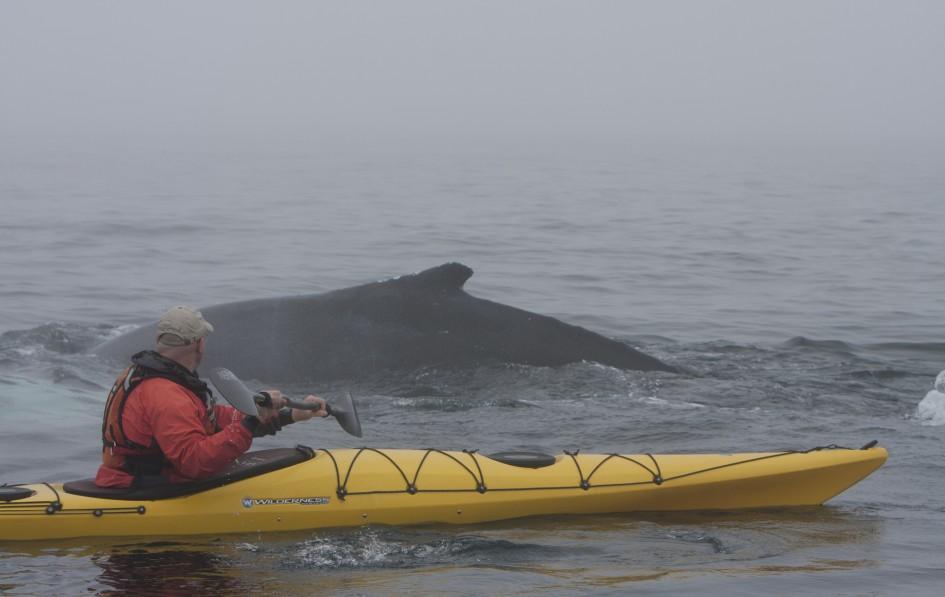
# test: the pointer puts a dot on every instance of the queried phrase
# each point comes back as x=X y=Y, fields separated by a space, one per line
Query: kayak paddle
x=245 y=401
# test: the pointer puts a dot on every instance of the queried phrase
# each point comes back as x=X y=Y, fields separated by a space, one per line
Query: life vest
x=120 y=452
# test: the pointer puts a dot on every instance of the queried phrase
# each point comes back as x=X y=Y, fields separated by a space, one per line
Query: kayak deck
x=349 y=487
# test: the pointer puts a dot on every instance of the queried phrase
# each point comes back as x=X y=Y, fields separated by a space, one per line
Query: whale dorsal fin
x=449 y=276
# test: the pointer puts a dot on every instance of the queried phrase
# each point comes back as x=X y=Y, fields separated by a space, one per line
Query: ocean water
x=799 y=284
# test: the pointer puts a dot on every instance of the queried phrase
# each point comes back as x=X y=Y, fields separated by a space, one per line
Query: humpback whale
x=406 y=323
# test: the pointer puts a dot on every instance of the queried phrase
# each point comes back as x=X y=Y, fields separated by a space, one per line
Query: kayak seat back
x=246 y=466
x=524 y=459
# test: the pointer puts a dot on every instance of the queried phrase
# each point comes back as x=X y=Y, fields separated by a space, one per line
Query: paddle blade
x=233 y=391
x=345 y=411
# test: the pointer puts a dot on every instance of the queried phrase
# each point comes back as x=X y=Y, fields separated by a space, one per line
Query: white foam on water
x=678 y=404
x=122 y=329
x=931 y=409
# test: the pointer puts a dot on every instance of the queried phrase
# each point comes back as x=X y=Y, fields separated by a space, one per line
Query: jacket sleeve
x=226 y=415
x=178 y=429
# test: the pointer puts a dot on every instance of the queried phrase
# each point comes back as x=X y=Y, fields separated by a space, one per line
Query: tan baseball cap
x=182 y=325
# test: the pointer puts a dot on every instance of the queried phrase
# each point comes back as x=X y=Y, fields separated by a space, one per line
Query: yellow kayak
x=302 y=488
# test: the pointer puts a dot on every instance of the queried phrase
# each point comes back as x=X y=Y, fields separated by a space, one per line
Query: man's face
x=199 y=348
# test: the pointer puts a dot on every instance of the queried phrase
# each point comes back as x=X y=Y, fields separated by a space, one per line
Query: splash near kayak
x=297 y=489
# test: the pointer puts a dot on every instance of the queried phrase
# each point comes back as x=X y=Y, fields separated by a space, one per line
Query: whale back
x=420 y=320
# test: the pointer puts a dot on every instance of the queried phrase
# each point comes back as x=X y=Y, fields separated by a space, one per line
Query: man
x=161 y=424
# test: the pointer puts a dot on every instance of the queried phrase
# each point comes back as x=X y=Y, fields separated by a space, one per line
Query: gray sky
x=708 y=67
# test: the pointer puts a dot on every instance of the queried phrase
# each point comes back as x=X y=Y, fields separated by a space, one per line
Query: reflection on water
x=162 y=570
x=562 y=553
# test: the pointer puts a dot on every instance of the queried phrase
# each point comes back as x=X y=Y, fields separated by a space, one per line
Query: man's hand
x=304 y=415
x=271 y=412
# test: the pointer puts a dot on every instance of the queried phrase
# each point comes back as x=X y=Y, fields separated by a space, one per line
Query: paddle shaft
x=247 y=402
x=266 y=400
x=306 y=405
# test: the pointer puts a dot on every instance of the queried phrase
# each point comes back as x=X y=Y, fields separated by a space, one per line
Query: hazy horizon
x=842 y=72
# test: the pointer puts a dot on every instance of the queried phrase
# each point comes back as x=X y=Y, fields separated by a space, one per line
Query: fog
x=842 y=71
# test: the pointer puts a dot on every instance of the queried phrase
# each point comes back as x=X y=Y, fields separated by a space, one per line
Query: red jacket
x=164 y=414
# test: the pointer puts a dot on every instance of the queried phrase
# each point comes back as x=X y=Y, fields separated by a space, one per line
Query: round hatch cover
x=10 y=493
x=524 y=459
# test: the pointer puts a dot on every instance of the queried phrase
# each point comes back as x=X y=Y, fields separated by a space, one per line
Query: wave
x=931 y=409
x=382 y=547
x=840 y=345
x=62 y=338
x=880 y=374
x=909 y=346
x=828 y=345
x=674 y=404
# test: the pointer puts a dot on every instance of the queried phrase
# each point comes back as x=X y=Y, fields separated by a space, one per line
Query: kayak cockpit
x=246 y=466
